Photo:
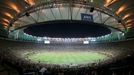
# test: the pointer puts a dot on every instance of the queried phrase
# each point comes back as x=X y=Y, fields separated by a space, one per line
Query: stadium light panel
x=123 y=34
x=45 y=38
x=39 y=39
x=93 y=40
x=47 y=42
x=85 y=42
x=92 y=0
x=89 y=38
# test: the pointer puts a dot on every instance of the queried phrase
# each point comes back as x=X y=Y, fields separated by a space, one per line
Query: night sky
x=67 y=29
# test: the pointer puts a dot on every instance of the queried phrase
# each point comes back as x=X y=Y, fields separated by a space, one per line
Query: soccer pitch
x=67 y=57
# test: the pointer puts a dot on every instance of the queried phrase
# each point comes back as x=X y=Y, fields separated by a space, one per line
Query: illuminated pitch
x=60 y=57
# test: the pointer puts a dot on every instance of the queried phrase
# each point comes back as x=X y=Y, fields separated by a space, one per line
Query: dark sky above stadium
x=67 y=29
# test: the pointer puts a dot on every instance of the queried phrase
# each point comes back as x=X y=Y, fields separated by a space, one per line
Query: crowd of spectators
x=122 y=66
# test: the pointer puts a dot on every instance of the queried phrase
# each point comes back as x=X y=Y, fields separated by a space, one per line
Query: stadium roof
x=12 y=10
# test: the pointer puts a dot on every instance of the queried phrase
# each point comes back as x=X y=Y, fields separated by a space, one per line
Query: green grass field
x=67 y=57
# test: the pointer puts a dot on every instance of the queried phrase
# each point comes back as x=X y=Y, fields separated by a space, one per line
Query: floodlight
x=85 y=42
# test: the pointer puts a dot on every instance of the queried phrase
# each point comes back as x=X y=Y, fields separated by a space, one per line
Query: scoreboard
x=87 y=17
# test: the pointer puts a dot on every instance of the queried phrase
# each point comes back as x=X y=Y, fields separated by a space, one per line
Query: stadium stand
x=66 y=37
x=123 y=64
